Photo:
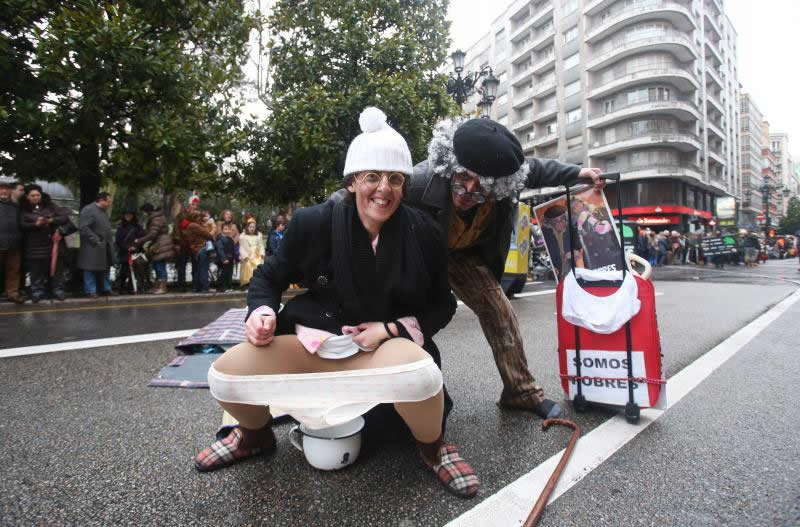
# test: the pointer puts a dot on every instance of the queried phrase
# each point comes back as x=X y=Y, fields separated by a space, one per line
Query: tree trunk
x=89 y=167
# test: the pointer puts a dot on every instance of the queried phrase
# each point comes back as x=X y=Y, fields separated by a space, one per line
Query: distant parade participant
x=469 y=183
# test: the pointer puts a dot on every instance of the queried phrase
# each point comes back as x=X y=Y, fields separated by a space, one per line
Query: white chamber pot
x=329 y=448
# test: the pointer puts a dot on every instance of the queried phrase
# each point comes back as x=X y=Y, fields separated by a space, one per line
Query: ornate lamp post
x=460 y=88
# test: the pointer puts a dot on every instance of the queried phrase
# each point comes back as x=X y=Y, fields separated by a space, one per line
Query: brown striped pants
x=475 y=285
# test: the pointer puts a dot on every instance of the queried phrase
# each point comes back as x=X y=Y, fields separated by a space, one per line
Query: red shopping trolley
x=616 y=367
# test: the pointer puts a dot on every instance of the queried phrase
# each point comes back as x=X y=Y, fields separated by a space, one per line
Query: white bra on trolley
x=599 y=314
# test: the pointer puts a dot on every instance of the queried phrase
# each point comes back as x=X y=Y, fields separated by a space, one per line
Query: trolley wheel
x=580 y=404
x=632 y=413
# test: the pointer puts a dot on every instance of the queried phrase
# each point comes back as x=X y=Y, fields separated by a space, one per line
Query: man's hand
x=371 y=335
x=594 y=175
x=260 y=328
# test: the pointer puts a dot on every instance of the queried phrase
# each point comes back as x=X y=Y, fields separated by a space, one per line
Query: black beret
x=487 y=148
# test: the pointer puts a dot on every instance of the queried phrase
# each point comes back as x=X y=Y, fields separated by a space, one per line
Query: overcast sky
x=769 y=58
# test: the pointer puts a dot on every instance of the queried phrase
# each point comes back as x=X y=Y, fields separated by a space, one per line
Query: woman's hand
x=371 y=335
x=260 y=328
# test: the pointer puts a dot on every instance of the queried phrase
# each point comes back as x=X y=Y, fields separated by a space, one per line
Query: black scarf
x=365 y=280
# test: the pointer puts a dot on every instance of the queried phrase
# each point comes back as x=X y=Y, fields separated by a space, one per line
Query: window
x=574 y=116
x=572 y=88
x=575 y=142
x=551 y=127
x=525 y=112
x=572 y=61
x=570 y=34
x=608 y=106
x=500 y=45
x=570 y=6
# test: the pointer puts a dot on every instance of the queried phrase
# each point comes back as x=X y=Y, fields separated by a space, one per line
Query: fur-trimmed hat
x=482 y=146
x=378 y=147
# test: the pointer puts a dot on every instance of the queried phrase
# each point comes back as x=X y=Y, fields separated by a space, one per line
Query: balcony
x=713 y=128
x=521 y=76
x=677 y=14
x=543 y=63
x=714 y=100
x=713 y=47
x=684 y=140
x=522 y=98
x=546 y=140
x=527 y=146
x=544 y=87
x=683 y=79
x=532 y=20
x=543 y=36
x=715 y=156
x=713 y=74
x=681 y=108
x=593 y=7
x=711 y=21
x=680 y=170
x=543 y=114
x=521 y=52
x=523 y=123
x=614 y=49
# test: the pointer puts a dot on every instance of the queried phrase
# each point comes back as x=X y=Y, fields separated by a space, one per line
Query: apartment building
x=648 y=88
x=779 y=145
x=752 y=141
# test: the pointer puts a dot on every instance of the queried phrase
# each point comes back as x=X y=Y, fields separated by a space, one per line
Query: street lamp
x=460 y=88
x=766 y=190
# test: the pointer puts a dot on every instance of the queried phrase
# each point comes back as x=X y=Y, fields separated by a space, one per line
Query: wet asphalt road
x=88 y=443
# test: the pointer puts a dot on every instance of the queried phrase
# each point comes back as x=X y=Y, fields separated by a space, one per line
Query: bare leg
x=286 y=355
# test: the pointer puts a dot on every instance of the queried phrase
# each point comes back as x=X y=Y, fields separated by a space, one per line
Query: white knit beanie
x=379 y=147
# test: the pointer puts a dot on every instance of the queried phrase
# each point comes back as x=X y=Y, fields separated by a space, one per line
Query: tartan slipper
x=455 y=474
x=230 y=450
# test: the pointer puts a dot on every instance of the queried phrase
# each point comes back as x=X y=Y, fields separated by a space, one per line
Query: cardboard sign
x=717 y=245
x=611 y=366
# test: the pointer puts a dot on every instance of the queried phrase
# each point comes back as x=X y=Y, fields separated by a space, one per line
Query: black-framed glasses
x=461 y=191
x=396 y=180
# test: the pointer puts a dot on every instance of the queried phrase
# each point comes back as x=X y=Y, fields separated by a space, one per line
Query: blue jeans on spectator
x=90 y=281
x=200 y=272
x=161 y=270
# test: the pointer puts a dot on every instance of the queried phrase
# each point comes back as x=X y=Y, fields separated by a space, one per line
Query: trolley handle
x=609 y=176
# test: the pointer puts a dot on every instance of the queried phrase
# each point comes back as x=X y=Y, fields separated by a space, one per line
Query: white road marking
x=94 y=343
x=512 y=504
x=535 y=293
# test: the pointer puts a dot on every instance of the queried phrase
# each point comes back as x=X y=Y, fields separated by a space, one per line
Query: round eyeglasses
x=396 y=180
x=461 y=191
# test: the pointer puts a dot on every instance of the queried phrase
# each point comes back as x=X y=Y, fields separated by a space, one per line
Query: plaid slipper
x=455 y=474
x=229 y=450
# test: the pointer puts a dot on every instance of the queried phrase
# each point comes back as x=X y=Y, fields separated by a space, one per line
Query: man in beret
x=474 y=172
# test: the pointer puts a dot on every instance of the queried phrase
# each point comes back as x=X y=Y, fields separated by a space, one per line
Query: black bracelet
x=388 y=331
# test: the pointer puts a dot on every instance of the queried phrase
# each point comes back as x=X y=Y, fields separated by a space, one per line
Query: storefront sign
x=727 y=223
x=725 y=207
x=655 y=220
x=717 y=245
x=663 y=209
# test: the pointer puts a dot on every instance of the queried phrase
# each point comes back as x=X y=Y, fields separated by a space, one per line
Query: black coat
x=38 y=241
x=306 y=256
x=432 y=193
x=10 y=231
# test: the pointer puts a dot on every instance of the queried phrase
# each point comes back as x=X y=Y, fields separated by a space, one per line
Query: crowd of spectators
x=34 y=252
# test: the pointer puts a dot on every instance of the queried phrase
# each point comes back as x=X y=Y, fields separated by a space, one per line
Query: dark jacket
x=432 y=193
x=274 y=241
x=224 y=246
x=306 y=257
x=127 y=232
x=10 y=230
x=162 y=247
x=38 y=238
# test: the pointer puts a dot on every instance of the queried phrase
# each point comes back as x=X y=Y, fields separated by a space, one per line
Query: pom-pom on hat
x=378 y=147
x=487 y=148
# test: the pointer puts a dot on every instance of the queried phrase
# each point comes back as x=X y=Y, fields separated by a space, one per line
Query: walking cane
x=541 y=503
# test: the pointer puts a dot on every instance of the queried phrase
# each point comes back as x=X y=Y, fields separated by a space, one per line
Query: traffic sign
x=760 y=216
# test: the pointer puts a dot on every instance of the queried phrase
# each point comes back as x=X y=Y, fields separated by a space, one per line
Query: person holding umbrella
x=125 y=238
x=44 y=226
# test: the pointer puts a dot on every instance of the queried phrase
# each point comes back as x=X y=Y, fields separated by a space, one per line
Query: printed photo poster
x=593 y=230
